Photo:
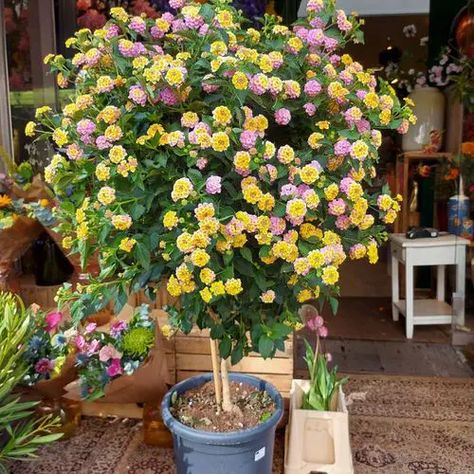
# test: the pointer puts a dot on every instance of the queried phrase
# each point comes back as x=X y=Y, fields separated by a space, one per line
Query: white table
x=447 y=249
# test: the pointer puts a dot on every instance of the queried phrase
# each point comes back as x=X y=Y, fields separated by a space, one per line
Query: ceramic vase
x=428 y=130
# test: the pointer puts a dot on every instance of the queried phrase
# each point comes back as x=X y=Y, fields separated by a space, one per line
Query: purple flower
x=44 y=366
x=213 y=184
x=137 y=95
x=342 y=148
x=168 y=97
x=330 y=43
x=102 y=143
x=138 y=24
x=114 y=368
x=282 y=116
x=288 y=190
x=176 y=4
x=93 y=347
x=323 y=331
x=310 y=109
x=312 y=88
x=248 y=139
x=79 y=342
x=277 y=225
x=112 y=31
x=117 y=328
x=315 y=37
x=90 y=328
x=201 y=163
x=85 y=127
x=315 y=323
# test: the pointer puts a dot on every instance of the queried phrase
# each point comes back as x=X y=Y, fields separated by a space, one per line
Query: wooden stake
x=215 y=371
x=226 y=401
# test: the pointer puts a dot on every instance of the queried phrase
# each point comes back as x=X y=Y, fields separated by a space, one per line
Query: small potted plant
x=234 y=163
x=317 y=437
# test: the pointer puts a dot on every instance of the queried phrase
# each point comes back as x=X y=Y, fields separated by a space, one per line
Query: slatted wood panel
x=192 y=353
x=193 y=357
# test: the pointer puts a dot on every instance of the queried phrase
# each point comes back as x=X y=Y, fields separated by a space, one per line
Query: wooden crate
x=189 y=355
x=193 y=357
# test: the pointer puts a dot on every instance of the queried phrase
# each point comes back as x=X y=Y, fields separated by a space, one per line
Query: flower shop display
x=103 y=357
x=232 y=162
x=317 y=434
x=48 y=354
x=22 y=434
x=50 y=363
x=121 y=362
x=459 y=178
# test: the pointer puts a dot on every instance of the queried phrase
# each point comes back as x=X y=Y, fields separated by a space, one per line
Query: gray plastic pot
x=238 y=452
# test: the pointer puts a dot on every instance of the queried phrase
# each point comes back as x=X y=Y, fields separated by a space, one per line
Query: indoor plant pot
x=317 y=440
x=201 y=452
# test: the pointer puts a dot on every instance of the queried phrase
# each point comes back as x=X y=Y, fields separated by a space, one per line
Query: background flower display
x=233 y=162
x=47 y=347
x=102 y=357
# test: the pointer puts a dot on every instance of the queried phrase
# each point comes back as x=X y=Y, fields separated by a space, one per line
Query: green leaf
x=334 y=302
x=247 y=254
x=280 y=209
x=143 y=255
x=265 y=346
x=225 y=347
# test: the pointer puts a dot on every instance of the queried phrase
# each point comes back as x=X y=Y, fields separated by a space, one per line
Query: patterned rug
x=398 y=425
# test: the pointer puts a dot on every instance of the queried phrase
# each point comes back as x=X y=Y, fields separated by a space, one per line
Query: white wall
x=378 y=7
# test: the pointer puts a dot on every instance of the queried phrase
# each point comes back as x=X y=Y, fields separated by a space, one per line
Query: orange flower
x=467 y=148
x=4 y=200
x=452 y=174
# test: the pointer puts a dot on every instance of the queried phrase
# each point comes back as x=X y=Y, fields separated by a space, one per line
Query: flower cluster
x=234 y=162
x=47 y=347
x=101 y=357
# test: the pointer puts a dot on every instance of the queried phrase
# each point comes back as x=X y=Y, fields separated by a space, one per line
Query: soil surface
x=197 y=408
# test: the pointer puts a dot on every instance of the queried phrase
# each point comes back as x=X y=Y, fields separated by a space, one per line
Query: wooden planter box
x=316 y=441
x=192 y=353
x=193 y=358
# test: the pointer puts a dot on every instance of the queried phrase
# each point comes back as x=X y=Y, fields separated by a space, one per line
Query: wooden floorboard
x=388 y=357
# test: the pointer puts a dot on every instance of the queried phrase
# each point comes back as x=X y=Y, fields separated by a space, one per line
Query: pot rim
x=221 y=438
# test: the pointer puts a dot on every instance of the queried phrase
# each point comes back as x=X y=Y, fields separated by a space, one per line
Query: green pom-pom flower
x=138 y=341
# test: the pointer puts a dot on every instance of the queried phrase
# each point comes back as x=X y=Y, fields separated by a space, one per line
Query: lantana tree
x=232 y=163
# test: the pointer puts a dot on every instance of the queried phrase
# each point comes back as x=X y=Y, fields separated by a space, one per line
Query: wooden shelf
x=428 y=311
x=402 y=169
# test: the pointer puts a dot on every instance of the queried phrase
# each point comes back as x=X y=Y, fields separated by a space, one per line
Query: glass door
x=27 y=35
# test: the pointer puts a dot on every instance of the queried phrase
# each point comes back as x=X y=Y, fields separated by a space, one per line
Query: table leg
x=460 y=282
x=440 y=282
x=406 y=198
x=409 y=294
x=395 y=289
